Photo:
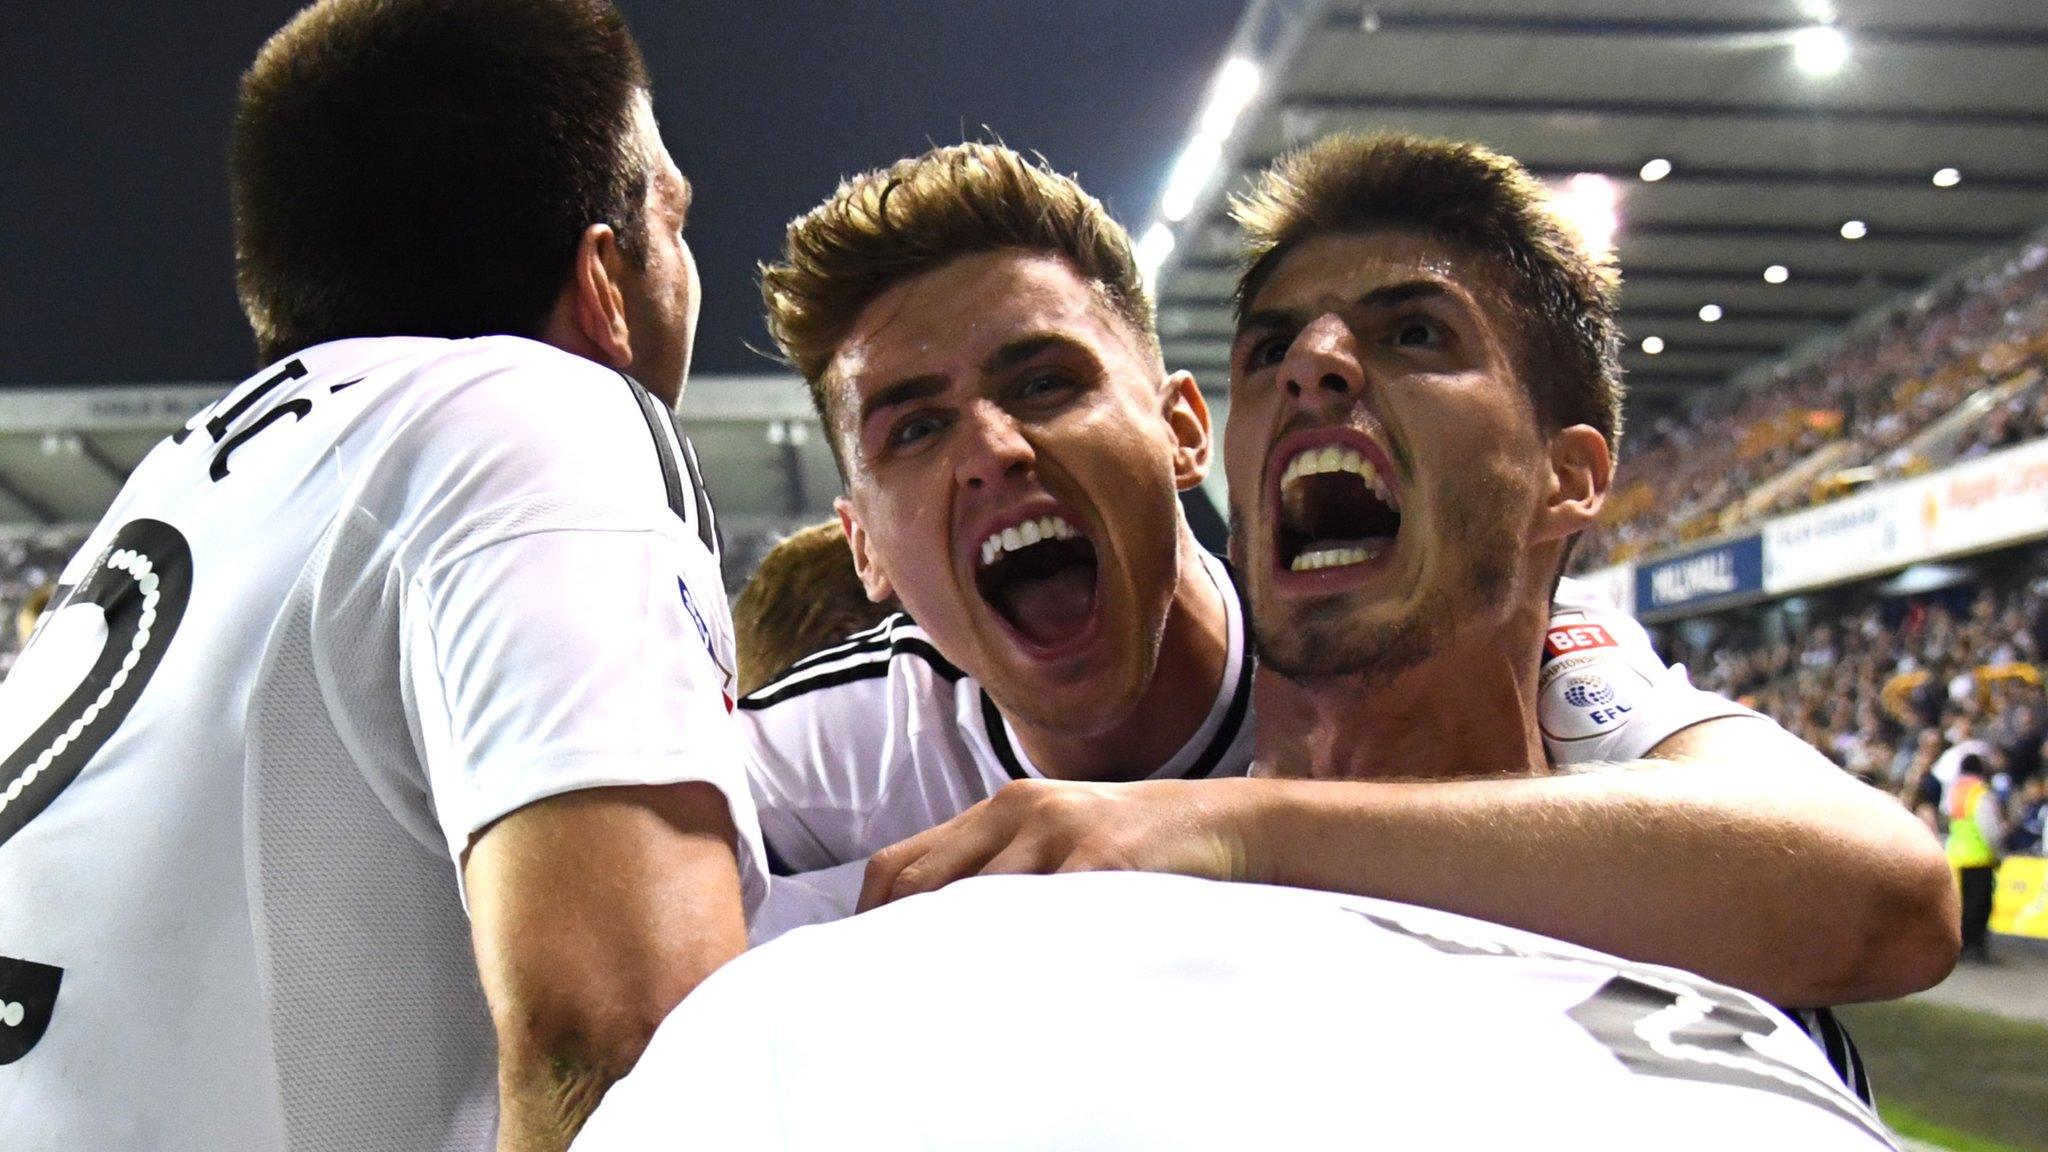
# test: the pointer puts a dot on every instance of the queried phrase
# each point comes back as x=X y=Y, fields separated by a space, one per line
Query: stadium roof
x=1769 y=151
x=1768 y=160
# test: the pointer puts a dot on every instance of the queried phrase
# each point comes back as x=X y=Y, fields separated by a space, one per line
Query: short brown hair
x=427 y=167
x=1479 y=200
x=919 y=214
x=804 y=595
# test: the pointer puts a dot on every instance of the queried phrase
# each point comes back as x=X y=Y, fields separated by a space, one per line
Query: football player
x=980 y=347
x=371 y=781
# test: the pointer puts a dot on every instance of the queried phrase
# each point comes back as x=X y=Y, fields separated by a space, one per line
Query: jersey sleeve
x=1604 y=695
x=564 y=626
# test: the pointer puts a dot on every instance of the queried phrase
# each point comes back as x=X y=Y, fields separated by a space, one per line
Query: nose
x=991 y=447
x=1322 y=365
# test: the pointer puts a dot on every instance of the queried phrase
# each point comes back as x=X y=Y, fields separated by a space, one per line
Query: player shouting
x=980 y=348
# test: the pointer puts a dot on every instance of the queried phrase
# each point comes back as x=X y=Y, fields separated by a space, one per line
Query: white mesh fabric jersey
x=378 y=596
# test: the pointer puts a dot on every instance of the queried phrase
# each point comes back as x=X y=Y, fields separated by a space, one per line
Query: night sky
x=115 y=263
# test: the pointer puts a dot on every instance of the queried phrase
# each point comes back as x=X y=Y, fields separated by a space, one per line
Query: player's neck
x=1469 y=710
x=1193 y=651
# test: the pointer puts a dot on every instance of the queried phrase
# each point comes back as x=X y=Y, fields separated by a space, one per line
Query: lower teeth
x=1331 y=558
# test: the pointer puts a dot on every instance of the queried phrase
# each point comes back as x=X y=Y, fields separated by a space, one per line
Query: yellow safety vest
x=1967 y=847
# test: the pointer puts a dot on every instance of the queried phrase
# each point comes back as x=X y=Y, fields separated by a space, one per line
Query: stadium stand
x=1952 y=372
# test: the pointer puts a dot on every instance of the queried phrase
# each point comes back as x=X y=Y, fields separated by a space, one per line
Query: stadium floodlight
x=1191 y=174
x=1777 y=274
x=1235 y=86
x=1710 y=313
x=1854 y=230
x=1589 y=204
x=1653 y=345
x=1655 y=170
x=1153 y=248
x=1947 y=178
x=1820 y=50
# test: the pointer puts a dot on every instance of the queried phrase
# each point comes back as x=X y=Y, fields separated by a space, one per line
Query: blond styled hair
x=1476 y=199
x=804 y=595
x=919 y=214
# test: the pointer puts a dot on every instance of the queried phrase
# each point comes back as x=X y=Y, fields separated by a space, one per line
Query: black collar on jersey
x=1219 y=743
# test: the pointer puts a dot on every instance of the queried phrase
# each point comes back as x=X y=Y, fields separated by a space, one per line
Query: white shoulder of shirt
x=1603 y=693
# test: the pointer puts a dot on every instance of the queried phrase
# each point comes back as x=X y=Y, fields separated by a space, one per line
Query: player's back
x=228 y=904
x=1126 y=1011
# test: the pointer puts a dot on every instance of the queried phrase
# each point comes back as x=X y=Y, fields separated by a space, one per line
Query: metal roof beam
x=102 y=460
x=1672 y=109
x=1917 y=180
x=35 y=505
x=1732 y=314
x=1760 y=33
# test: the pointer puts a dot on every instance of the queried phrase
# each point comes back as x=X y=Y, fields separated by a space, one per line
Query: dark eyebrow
x=1023 y=350
x=1386 y=296
x=905 y=391
x=914 y=388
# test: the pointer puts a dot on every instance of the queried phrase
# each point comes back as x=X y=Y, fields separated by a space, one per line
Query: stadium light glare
x=1589 y=203
x=1777 y=274
x=1820 y=50
x=1710 y=313
x=1655 y=170
x=1190 y=175
x=1236 y=84
x=1153 y=248
x=1947 y=178
x=1855 y=230
x=1653 y=345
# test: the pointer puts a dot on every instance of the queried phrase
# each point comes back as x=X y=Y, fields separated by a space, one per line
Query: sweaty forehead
x=947 y=321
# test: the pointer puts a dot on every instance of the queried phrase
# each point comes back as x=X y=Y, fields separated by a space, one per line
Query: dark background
x=115 y=261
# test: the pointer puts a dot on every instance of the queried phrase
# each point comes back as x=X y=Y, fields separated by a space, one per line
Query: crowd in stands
x=29 y=566
x=1956 y=372
x=1887 y=688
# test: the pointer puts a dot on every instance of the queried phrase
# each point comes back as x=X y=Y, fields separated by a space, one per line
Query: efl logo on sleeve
x=1575 y=638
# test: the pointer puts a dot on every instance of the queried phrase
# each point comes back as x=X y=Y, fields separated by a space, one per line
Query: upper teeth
x=1020 y=536
x=1335 y=458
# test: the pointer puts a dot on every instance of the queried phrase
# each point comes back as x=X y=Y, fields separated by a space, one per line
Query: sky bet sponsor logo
x=1576 y=638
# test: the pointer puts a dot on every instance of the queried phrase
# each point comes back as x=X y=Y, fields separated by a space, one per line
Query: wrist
x=1243 y=820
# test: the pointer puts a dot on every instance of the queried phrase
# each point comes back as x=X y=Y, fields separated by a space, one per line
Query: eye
x=1268 y=352
x=1043 y=386
x=1417 y=332
x=913 y=429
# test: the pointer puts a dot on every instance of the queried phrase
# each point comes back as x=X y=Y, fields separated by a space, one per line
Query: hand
x=1189 y=827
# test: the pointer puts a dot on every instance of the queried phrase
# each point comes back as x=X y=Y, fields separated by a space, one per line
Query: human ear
x=1187 y=416
x=597 y=301
x=872 y=579
x=1579 y=471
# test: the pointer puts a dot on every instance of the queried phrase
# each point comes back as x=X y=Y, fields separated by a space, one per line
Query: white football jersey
x=1117 y=1012
x=375 y=598
x=876 y=739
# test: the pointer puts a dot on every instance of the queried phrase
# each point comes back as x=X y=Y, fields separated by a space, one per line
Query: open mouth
x=1337 y=509
x=1039 y=576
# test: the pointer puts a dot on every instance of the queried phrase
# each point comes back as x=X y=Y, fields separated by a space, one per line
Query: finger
x=954 y=850
x=1024 y=855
